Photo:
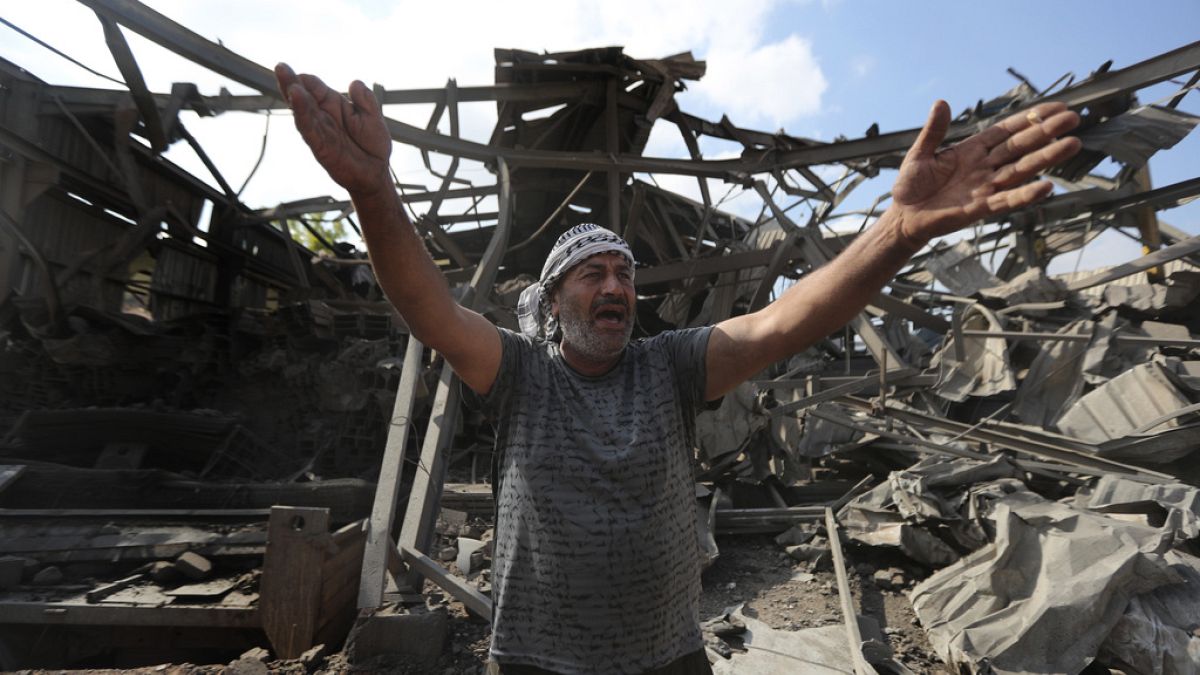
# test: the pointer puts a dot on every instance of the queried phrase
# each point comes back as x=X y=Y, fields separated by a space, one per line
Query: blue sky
x=817 y=69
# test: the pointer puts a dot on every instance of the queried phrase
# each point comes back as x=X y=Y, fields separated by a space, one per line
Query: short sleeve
x=687 y=349
x=498 y=401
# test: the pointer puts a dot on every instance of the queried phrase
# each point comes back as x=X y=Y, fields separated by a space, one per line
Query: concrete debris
x=206 y=408
x=754 y=647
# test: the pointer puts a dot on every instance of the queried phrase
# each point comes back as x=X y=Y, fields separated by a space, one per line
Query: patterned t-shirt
x=596 y=567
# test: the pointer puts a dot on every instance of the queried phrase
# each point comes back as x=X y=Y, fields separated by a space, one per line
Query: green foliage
x=330 y=228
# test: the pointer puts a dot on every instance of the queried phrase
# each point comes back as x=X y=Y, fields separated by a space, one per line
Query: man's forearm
x=406 y=272
x=841 y=288
x=825 y=300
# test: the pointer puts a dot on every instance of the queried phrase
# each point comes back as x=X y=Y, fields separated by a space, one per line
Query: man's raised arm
x=350 y=140
x=936 y=193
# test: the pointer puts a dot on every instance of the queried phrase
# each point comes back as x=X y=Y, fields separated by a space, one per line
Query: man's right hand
x=348 y=136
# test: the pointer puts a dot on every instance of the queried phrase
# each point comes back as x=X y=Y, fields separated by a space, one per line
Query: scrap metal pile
x=174 y=364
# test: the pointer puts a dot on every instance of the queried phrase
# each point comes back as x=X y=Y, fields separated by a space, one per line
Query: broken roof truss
x=963 y=360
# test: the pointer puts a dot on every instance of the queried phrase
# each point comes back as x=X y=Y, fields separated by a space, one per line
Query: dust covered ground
x=752 y=570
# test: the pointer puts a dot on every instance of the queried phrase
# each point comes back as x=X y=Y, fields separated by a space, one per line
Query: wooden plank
x=297 y=539
x=83 y=614
x=207 y=589
x=101 y=592
x=387 y=491
x=201 y=514
x=16 y=544
x=853 y=635
x=425 y=495
x=462 y=591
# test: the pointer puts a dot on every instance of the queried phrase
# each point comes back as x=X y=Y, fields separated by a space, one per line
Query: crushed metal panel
x=958 y=269
x=1118 y=495
x=1045 y=595
x=983 y=369
x=1053 y=380
x=1155 y=635
x=1124 y=404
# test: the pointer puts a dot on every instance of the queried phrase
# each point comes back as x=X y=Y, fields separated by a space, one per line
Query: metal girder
x=132 y=75
x=1172 y=252
x=162 y=30
x=387 y=491
x=421 y=512
x=1044 y=445
x=103 y=100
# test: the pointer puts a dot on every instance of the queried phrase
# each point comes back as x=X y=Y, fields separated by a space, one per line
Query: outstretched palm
x=939 y=191
x=348 y=136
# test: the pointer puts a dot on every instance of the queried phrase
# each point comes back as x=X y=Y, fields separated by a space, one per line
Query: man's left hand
x=940 y=191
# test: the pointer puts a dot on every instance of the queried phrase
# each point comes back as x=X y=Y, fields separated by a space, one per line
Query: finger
x=317 y=88
x=1033 y=137
x=1034 y=163
x=363 y=98
x=934 y=131
x=1014 y=124
x=1019 y=197
x=284 y=76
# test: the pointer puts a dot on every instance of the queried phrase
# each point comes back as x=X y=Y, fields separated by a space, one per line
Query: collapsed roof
x=146 y=313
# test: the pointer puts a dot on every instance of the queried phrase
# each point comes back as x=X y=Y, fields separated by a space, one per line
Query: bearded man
x=596 y=567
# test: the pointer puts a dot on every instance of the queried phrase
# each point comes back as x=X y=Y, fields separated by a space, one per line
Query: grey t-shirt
x=596 y=562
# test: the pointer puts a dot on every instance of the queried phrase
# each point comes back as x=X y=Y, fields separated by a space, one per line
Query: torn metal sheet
x=959 y=269
x=913 y=507
x=1053 y=380
x=1045 y=595
x=1180 y=290
x=822 y=437
x=1156 y=634
x=974 y=366
x=730 y=426
x=1174 y=508
x=1117 y=408
x=1135 y=135
x=1031 y=286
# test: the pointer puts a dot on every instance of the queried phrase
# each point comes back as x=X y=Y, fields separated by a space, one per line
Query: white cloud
x=768 y=85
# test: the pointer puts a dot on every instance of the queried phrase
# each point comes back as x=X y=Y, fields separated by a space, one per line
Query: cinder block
x=418 y=635
x=193 y=565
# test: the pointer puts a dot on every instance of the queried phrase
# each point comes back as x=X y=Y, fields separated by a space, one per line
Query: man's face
x=594 y=303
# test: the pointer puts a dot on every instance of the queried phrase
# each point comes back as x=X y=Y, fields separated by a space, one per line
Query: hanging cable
x=262 y=152
x=97 y=73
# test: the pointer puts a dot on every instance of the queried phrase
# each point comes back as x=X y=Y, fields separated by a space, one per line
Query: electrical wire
x=59 y=52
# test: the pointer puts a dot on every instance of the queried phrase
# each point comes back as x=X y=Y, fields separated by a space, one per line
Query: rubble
x=205 y=426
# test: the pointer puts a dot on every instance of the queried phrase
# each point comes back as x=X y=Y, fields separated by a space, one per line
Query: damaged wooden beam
x=854 y=639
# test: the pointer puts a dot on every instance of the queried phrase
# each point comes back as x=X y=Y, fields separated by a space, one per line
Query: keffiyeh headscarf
x=574 y=246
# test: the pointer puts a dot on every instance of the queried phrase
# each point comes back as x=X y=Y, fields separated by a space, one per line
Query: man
x=595 y=566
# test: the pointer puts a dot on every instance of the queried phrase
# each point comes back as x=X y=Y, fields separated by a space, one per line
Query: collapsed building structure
x=213 y=436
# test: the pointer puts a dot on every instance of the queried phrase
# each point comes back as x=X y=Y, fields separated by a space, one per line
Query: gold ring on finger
x=1033 y=117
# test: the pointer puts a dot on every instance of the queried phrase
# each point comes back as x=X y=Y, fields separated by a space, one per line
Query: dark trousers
x=695 y=663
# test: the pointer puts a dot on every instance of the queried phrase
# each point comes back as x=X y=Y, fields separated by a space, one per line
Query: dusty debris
x=1019 y=444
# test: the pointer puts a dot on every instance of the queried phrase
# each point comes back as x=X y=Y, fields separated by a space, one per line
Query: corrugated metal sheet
x=1136 y=397
x=1139 y=279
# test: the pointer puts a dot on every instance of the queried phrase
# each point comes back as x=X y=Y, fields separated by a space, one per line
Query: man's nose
x=611 y=285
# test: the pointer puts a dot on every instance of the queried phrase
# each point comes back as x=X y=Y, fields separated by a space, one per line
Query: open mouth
x=610 y=315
